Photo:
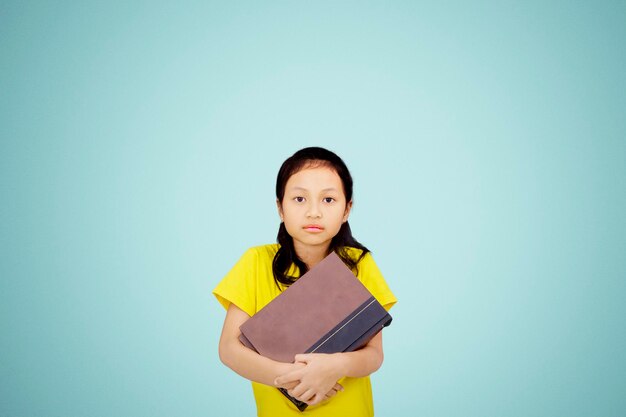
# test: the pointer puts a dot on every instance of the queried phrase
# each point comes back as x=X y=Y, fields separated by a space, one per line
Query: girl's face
x=314 y=207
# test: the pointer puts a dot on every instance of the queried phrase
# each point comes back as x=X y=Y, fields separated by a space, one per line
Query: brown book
x=327 y=310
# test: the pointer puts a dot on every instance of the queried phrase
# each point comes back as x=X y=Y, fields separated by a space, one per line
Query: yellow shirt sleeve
x=372 y=278
x=239 y=285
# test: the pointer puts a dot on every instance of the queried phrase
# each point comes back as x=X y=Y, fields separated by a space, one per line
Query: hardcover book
x=327 y=310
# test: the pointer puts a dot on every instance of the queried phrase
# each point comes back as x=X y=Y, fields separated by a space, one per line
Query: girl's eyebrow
x=304 y=189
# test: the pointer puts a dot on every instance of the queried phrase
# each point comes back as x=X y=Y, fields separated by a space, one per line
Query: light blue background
x=139 y=147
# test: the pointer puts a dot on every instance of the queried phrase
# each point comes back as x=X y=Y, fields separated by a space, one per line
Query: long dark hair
x=286 y=255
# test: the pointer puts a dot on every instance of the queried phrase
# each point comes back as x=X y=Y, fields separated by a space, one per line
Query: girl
x=314 y=199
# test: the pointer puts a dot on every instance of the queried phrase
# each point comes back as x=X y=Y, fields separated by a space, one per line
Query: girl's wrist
x=281 y=369
x=340 y=364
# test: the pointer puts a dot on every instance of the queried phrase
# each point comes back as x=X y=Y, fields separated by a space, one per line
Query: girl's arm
x=242 y=360
x=322 y=371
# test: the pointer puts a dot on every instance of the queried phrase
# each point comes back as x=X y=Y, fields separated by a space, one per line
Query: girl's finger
x=289 y=377
x=307 y=396
x=318 y=398
x=301 y=357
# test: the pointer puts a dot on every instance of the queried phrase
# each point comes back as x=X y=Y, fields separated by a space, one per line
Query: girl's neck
x=311 y=255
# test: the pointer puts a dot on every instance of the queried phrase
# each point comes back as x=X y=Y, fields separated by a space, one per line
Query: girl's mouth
x=313 y=228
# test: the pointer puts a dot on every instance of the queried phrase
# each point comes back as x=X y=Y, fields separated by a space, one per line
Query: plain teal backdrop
x=139 y=147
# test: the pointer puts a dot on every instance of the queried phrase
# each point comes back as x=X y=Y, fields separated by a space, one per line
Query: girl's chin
x=311 y=242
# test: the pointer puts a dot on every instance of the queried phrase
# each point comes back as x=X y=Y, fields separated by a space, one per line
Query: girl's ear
x=280 y=209
x=347 y=212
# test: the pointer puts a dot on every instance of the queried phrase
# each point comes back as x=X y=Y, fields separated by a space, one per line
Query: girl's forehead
x=315 y=177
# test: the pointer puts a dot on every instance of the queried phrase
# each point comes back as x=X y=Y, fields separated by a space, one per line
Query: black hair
x=286 y=255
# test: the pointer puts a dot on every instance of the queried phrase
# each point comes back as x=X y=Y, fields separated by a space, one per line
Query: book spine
x=367 y=336
x=355 y=330
x=300 y=405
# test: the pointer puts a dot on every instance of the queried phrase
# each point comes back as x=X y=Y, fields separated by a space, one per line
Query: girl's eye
x=299 y=199
x=328 y=200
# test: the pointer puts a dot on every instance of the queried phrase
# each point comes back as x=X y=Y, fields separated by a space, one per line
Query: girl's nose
x=313 y=211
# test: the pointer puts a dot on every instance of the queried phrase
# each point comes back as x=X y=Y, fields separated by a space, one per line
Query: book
x=327 y=310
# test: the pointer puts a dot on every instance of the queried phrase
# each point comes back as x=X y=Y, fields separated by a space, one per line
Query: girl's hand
x=289 y=368
x=316 y=381
x=333 y=391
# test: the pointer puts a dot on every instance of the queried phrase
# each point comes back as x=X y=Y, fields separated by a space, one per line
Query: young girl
x=314 y=198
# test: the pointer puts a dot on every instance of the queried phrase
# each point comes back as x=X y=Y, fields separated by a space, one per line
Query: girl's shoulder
x=263 y=252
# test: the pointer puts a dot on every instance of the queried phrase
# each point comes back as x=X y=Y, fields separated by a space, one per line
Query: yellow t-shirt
x=250 y=286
